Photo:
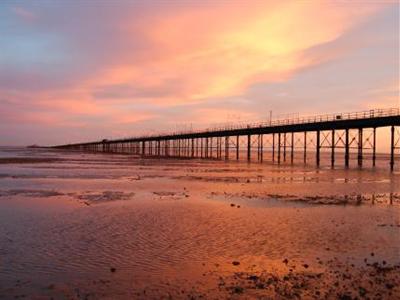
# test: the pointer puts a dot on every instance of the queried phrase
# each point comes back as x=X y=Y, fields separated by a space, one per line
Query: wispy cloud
x=24 y=14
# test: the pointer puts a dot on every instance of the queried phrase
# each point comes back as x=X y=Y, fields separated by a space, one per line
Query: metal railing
x=367 y=114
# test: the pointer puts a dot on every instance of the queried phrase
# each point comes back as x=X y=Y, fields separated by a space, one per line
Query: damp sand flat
x=85 y=226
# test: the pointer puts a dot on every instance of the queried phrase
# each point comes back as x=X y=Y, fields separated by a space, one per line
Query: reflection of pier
x=280 y=138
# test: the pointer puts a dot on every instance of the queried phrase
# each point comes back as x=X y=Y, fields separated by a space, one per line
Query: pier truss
x=343 y=136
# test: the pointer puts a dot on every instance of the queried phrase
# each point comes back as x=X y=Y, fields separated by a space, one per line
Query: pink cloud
x=250 y=44
x=127 y=66
x=24 y=14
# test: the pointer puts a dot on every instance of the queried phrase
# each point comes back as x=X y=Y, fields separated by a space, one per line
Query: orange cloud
x=169 y=63
x=241 y=45
x=187 y=62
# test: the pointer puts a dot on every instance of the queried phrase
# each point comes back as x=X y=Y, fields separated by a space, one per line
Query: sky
x=74 y=71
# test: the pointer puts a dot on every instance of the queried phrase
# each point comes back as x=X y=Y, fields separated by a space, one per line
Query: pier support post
x=262 y=148
x=186 y=148
x=248 y=147
x=284 y=147
x=374 y=147
x=273 y=147
x=347 y=150
x=203 y=147
x=220 y=147
x=237 y=147
x=305 y=147
x=392 y=148
x=227 y=147
x=360 y=147
x=217 y=147
x=292 y=149
x=210 y=155
x=279 y=148
x=333 y=149
x=218 y=144
x=318 y=158
x=206 y=147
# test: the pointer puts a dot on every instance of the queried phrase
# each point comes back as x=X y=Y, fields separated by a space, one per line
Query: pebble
x=362 y=291
x=238 y=290
x=389 y=286
x=253 y=277
x=235 y=263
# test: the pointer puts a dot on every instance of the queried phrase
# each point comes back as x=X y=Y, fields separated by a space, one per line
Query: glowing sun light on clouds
x=131 y=65
x=217 y=51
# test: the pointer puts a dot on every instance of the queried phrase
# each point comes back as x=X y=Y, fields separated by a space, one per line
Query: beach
x=77 y=225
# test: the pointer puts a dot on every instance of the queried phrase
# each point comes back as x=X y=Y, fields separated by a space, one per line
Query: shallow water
x=78 y=225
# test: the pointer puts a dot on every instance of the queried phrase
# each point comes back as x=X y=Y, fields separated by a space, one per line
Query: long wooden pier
x=281 y=138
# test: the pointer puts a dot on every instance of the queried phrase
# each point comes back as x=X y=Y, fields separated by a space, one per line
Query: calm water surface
x=78 y=225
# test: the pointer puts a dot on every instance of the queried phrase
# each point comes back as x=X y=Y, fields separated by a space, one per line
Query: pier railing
x=373 y=113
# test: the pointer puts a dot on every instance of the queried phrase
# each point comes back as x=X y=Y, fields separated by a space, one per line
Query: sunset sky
x=73 y=71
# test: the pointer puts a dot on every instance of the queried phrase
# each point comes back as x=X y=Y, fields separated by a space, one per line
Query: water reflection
x=121 y=227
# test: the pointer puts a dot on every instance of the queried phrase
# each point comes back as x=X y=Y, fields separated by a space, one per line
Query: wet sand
x=91 y=226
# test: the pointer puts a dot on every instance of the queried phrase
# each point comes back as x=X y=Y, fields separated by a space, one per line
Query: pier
x=348 y=133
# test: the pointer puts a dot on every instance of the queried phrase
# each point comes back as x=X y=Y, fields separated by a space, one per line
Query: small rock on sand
x=238 y=290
